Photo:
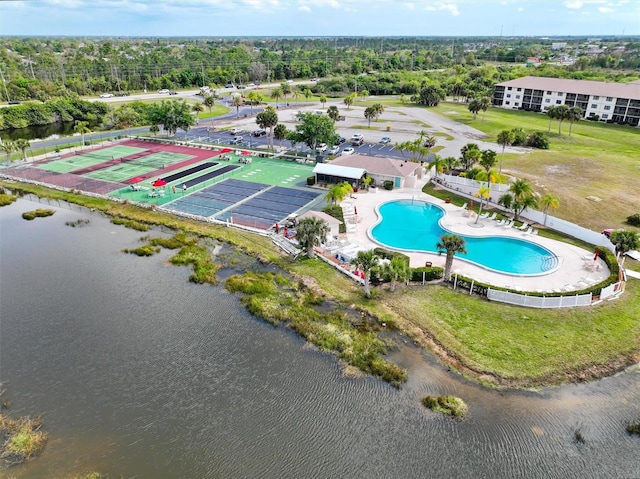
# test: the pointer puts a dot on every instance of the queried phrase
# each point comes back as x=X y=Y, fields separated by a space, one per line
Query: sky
x=220 y=18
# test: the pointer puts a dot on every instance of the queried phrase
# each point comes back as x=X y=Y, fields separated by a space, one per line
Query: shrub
x=519 y=137
x=634 y=220
x=539 y=140
x=311 y=180
x=336 y=212
x=388 y=185
x=429 y=273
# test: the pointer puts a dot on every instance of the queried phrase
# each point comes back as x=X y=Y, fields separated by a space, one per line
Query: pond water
x=42 y=132
x=140 y=374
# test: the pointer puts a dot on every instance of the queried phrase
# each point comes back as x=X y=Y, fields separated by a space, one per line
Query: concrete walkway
x=571 y=275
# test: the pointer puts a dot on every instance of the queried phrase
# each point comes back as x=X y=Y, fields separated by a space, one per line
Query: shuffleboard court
x=190 y=171
x=211 y=175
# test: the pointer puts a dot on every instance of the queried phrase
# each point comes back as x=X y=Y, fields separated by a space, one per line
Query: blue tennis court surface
x=253 y=204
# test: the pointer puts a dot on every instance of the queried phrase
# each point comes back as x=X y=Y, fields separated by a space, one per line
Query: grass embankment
x=451 y=405
x=20 y=439
x=277 y=299
x=501 y=344
x=38 y=213
x=599 y=160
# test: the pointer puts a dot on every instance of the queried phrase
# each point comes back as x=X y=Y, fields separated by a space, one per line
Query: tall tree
x=286 y=89
x=548 y=201
x=210 y=101
x=469 y=155
x=172 y=115
x=313 y=129
x=280 y=133
x=268 y=118
x=23 y=145
x=369 y=114
x=484 y=193
x=237 y=102
x=311 y=232
x=348 y=100
x=323 y=100
x=82 y=127
x=488 y=159
x=333 y=113
x=474 y=107
x=551 y=113
x=366 y=261
x=575 y=113
x=505 y=138
x=485 y=103
x=276 y=94
x=197 y=107
x=561 y=113
x=253 y=97
x=450 y=244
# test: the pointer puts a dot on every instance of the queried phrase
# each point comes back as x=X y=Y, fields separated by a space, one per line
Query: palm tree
x=488 y=160
x=307 y=94
x=429 y=141
x=378 y=109
x=280 y=133
x=209 y=102
x=333 y=113
x=450 y=244
x=296 y=94
x=348 y=100
x=82 y=127
x=286 y=89
x=311 y=232
x=276 y=94
x=575 y=113
x=364 y=93
x=561 y=113
x=155 y=129
x=198 y=109
x=519 y=198
x=8 y=147
x=369 y=114
x=624 y=241
x=397 y=270
x=22 y=144
x=505 y=138
x=366 y=261
x=485 y=103
x=450 y=162
x=474 y=107
x=551 y=113
x=323 y=100
x=236 y=100
x=253 y=97
x=484 y=193
x=268 y=118
x=549 y=200
x=338 y=192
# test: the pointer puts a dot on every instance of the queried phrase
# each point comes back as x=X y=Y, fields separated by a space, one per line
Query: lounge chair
x=484 y=215
x=464 y=207
x=508 y=224
x=523 y=227
x=492 y=216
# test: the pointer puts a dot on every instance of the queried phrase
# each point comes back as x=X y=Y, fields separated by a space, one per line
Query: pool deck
x=571 y=275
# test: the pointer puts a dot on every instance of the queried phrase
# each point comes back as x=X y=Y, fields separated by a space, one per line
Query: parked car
x=229 y=85
x=334 y=150
x=123 y=93
x=236 y=140
x=241 y=87
x=259 y=132
x=348 y=151
x=340 y=140
x=357 y=140
x=314 y=79
x=235 y=131
x=173 y=92
x=289 y=82
x=385 y=139
x=164 y=91
x=321 y=148
x=106 y=95
x=14 y=102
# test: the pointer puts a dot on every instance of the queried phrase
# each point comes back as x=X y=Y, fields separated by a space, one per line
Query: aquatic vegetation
x=634 y=428
x=450 y=405
x=39 y=213
x=21 y=439
x=144 y=250
x=199 y=258
x=78 y=222
x=6 y=199
x=132 y=224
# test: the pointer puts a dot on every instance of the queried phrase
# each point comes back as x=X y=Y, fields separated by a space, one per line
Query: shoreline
x=351 y=297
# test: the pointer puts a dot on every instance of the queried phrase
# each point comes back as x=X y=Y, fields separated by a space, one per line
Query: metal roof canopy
x=341 y=171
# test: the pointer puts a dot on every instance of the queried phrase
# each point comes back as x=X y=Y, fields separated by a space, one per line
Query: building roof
x=377 y=165
x=339 y=170
x=320 y=215
x=580 y=87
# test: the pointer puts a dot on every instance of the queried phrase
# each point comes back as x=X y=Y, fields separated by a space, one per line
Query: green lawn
x=597 y=160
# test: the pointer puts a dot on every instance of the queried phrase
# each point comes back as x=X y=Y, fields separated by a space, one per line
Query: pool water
x=414 y=226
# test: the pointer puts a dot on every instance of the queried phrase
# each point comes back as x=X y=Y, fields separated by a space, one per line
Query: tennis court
x=89 y=159
x=121 y=172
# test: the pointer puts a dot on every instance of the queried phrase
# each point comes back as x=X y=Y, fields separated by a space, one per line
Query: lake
x=140 y=374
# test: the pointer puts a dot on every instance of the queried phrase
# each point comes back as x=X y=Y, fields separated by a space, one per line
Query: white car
x=106 y=95
x=163 y=91
x=334 y=150
x=321 y=148
x=236 y=140
x=235 y=131
x=348 y=151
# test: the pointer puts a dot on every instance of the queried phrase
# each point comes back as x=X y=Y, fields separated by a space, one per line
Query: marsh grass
x=39 y=213
x=633 y=428
x=132 y=224
x=278 y=300
x=199 y=258
x=144 y=250
x=6 y=199
x=78 y=222
x=451 y=405
x=21 y=439
x=176 y=241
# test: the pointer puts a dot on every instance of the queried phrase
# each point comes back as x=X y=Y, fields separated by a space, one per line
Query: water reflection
x=139 y=373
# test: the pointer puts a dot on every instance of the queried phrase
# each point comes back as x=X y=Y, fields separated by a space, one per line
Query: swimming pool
x=414 y=226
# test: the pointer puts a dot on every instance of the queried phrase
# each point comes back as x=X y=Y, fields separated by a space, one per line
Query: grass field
x=597 y=160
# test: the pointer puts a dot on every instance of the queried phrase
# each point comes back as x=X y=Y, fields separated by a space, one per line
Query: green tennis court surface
x=138 y=167
x=76 y=162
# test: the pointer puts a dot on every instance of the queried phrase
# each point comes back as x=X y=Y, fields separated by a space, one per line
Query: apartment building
x=611 y=102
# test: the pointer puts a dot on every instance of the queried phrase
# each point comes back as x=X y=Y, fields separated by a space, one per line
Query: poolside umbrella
x=245 y=152
x=226 y=150
x=159 y=182
x=137 y=179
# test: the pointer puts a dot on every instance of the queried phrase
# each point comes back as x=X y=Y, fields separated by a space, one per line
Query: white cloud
x=574 y=4
x=605 y=9
x=445 y=5
x=304 y=8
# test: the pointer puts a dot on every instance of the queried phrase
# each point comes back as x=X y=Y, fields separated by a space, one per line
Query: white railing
x=539 y=301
